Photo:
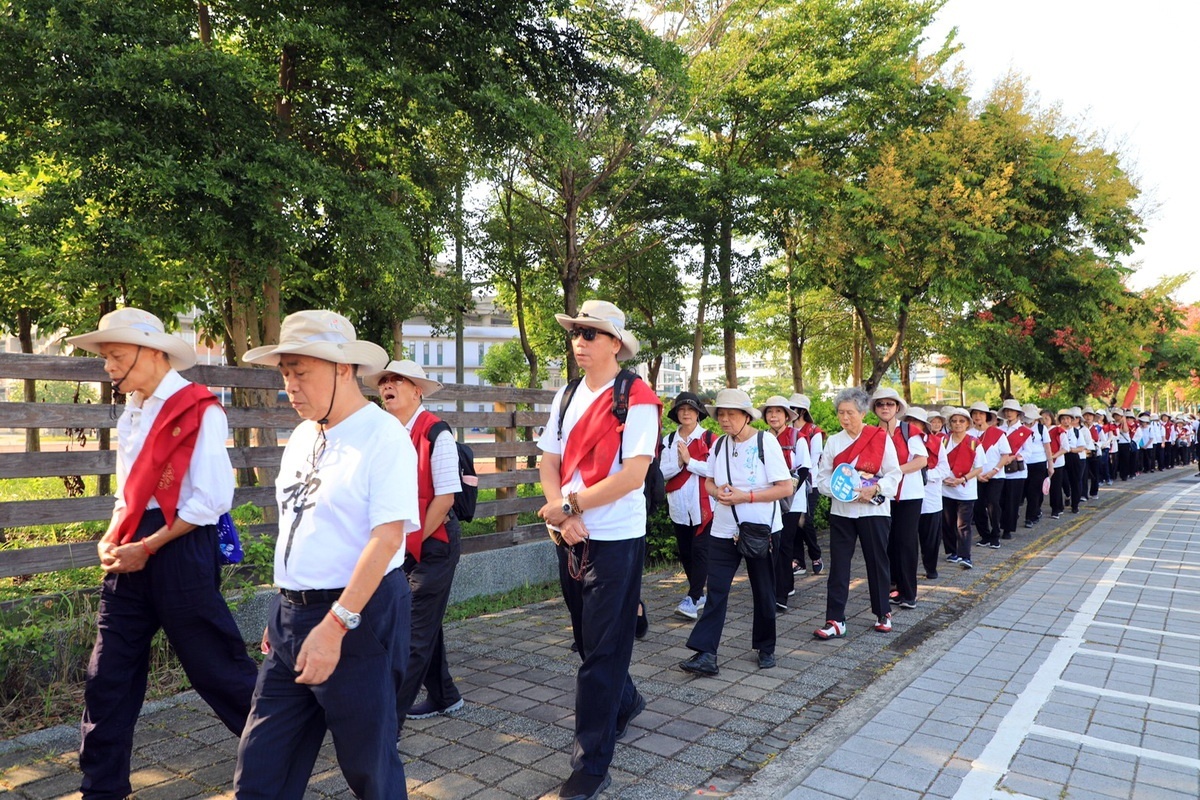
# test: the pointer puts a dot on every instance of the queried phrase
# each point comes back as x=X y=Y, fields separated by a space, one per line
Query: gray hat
x=734 y=398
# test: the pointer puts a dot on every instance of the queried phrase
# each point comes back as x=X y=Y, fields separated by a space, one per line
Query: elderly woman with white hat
x=964 y=461
x=996 y=454
x=684 y=465
x=1058 y=459
x=1037 y=462
x=347 y=498
x=1123 y=435
x=1079 y=444
x=929 y=529
x=779 y=418
x=860 y=471
x=748 y=476
x=907 y=429
x=1015 y=472
x=160 y=552
x=810 y=433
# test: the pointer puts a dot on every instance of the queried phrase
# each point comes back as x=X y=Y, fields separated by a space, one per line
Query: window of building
x=439 y=354
x=425 y=359
x=482 y=352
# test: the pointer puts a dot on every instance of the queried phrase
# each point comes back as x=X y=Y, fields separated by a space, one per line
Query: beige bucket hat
x=1011 y=404
x=918 y=413
x=1031 y=412
x=956 y=411
x=405 y=369
x=319 y=334
x=890 y=394
x=798 y=400
x=603 y=316
x=137 y=327
x=734 y=398
x=982 y=406
x=779 y=401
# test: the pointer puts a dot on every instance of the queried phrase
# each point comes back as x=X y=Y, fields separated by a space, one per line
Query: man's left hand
x=553 y=513
x=320 y=653
x=130 y=557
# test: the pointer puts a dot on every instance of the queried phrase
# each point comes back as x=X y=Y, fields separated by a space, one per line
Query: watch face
x=566 y=507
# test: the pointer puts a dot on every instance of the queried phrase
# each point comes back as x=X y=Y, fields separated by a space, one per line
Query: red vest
x=787 y=439
x=697 y=448
x=807 y=431
x=596 y=438
x=868 y=448
x=933 y=443
x=415 y=541
x=159 y=468
x=990 y=437
x=961 y=457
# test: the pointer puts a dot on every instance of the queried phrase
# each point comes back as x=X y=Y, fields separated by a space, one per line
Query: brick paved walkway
x=698 y=736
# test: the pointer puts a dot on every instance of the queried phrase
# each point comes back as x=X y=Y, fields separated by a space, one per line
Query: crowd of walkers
x=916 y=490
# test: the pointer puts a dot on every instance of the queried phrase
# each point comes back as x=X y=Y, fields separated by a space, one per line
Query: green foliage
x=502 y=601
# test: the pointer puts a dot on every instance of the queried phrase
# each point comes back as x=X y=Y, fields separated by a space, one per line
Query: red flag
x=1130 y=395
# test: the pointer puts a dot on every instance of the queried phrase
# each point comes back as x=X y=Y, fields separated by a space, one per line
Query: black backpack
x=655 y=488
x=465 y=498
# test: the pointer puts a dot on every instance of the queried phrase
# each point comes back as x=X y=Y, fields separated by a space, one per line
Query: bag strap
x=568 y=395
x=729 y=480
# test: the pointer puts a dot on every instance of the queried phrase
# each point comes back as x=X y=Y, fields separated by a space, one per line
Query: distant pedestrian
x=684 y=465
x=966 y=461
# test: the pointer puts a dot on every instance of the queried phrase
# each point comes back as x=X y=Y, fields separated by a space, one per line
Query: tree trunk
x=795 y=347
x=701 y=308
x=728 y=304
x=205 y=23
x=856 y=364
x=398 y=339
x=906 y=376
x=571 y=265
x=104 y=483
x=33 y=436
x=652 y=370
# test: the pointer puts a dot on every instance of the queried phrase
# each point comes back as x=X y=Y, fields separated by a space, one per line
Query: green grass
x=503 y=601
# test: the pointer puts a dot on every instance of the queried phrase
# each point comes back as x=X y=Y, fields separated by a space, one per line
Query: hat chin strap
x=323 y=421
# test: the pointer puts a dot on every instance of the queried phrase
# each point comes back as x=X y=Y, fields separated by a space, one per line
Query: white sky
x=1129 y=69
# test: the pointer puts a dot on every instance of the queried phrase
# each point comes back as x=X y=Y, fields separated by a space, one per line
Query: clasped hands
x=569 y=525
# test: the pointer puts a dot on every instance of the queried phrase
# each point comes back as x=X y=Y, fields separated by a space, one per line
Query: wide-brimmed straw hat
x=1011 y=404
x=734 y=398
x=779 y=401
x=137 y=327
x=319 y=334
x=1063 y=412
x=603 y=316
x=405 y=369
x=1076 y=411
x=917 y=413
x=889 y=394
x=686 y=400
x=982 y=406
x=1089 y=410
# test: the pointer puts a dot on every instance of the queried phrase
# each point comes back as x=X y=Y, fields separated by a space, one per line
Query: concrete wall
x=478 y=574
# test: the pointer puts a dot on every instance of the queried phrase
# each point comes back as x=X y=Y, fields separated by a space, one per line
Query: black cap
x=686 y=399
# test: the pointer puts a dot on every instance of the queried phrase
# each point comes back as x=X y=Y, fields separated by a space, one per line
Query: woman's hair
x=855 y=395
x=803 y=413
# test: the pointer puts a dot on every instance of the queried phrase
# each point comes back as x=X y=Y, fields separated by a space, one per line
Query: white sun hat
x=137 y=327
x=319 y=334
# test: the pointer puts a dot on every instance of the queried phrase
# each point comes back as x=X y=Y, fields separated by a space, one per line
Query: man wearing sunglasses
x=338 y=630
x=592 y=472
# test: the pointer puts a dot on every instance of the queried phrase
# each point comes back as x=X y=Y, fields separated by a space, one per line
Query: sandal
x=832 y=630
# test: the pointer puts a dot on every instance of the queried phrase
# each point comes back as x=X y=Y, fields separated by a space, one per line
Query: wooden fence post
x=505 y=522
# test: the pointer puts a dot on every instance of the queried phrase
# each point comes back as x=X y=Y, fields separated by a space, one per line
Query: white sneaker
x=687 y=608
x=700 y=603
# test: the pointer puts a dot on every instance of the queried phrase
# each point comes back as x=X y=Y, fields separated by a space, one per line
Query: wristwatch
x=350 y=619
x=566 y=508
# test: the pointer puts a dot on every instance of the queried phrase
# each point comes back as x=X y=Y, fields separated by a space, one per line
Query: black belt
x=311 y=597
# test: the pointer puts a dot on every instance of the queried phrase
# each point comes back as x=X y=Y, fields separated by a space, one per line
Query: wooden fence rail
x=500 y=460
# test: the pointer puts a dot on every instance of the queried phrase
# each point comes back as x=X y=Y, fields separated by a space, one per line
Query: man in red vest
x=160 y=554
x=433 y=553
x=593 y=478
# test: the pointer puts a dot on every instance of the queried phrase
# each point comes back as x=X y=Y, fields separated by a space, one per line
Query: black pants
x=987 y=509
x=956 y=526
x=430 y=580
x=808 y=533
x=1147 y=459
x=1056 y=488
x=1074 y=483
x=692 y=545
x=1106 y=459
x=1011 y=495
x=1160 y=455
x=1125 y=465
x=357 y=703
x=178 y=591
x=929 y=535
x=603 y=608
x=872 y=534
x=723 y=561
x=1091 y=476
x=903 y=546
x=1033 y=490
x=785 y=580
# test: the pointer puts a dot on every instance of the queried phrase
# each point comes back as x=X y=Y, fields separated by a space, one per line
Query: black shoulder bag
x=753 y=539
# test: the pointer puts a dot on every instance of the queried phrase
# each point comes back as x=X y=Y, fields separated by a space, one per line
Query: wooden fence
x=503 y=453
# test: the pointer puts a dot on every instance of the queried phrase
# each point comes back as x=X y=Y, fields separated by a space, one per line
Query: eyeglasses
x=888 y=403
x=588 y=334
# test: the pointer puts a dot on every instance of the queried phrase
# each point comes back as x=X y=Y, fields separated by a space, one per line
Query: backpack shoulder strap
x=670 y=438
x=566 y=401
x=621 y=388
x=761 y=455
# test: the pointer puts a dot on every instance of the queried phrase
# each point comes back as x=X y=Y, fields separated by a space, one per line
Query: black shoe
x=931 y=576
x=701 y=664
x=1028 y=524
x=623 y=720
x=780 y=608
x=582 y=786
x=643 y=624
x=1006 y=535
x=994 y=545
x=765 y=660
x=817 y=566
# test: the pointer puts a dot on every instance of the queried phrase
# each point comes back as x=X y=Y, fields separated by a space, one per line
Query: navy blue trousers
x=178 y=591
x=903 y=546
x=430 y=580
x=693 y=555
x=872 y=533
x=723 y=561
x=956 y=526
x=357 y=704
x=603 y=607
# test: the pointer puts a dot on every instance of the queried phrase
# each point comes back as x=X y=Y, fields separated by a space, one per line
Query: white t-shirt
x=624 y=518
x=749 y=471
x=1034 y=449
x=801 y=459
x=443 y=459
x=992 y=456
x=366 y=477
x=970 y=489
x=1025 y=449
x=931 y=503
x=1060 y=447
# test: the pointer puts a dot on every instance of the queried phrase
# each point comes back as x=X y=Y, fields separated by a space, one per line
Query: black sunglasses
x=588 y=334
